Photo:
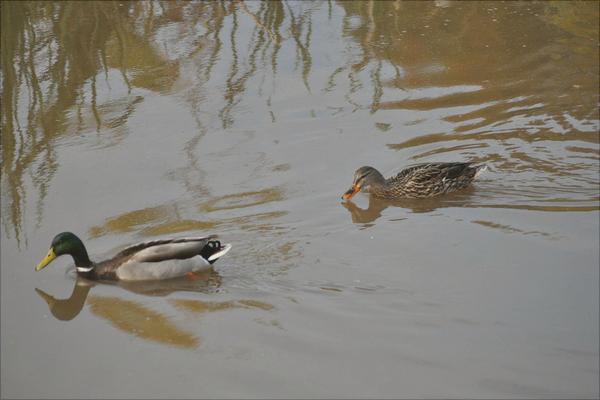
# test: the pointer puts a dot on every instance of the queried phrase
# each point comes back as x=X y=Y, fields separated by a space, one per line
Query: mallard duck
x=157 y=259
x=417 y=181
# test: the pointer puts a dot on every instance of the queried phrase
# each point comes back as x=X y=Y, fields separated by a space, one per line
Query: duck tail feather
x=220 y=253
x=480 y=170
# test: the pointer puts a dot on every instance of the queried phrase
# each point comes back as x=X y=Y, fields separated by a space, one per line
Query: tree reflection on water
x=487 y=59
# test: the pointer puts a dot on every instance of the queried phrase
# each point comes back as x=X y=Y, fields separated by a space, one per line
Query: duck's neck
x=377 y=184
x=82 y=260
x=380 y=190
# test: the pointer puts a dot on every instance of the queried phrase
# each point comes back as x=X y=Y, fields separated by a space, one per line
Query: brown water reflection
x=123 y=121
x=53 y=70
x=200 y=307
x=69 y=308
x=66 y=309
x=465 y=198
x=164 y=219
x=52 y=53
x=141 y=320
x=377 y=206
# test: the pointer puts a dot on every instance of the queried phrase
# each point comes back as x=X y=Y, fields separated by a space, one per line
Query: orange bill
x=351 y=192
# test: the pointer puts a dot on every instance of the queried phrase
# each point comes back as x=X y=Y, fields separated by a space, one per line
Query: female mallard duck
x=158 y=259
x=417 y=181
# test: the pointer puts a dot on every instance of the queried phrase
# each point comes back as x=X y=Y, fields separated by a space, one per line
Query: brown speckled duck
x=417 y=181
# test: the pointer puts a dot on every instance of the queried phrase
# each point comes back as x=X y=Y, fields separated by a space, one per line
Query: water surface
x=125 y=122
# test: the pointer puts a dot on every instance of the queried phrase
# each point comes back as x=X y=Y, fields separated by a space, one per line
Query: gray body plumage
x=160 y=259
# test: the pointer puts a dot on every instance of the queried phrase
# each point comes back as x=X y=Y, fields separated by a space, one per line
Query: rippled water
x=129 y=121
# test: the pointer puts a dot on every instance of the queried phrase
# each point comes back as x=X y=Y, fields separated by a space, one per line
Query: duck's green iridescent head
x=65 y=243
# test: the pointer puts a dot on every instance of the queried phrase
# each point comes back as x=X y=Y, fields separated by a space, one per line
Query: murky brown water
x=128 y=121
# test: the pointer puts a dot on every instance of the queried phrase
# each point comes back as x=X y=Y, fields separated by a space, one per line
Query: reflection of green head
x=67 y=309
x=66 y=243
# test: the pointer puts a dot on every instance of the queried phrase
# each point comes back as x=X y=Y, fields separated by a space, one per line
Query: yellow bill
x=47 y=260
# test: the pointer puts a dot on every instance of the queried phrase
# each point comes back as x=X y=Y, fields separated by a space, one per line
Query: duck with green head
x=158 y=259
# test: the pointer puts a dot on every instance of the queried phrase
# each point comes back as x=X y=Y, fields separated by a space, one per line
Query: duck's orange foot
x=192 y=276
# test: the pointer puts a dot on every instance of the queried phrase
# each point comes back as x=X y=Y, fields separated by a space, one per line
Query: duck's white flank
x=139 y=271
x=141 y=267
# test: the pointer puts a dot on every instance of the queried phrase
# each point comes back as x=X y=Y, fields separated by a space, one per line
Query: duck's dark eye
x=362 y=177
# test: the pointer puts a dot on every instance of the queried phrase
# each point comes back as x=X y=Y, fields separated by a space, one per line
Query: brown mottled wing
x=433 y=171
x=456 y=170
x=408 y=172
x=431 y=179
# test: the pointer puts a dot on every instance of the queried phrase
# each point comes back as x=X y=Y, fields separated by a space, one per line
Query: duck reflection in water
x=66 y=309
x=377 y=205
x=139 y=319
